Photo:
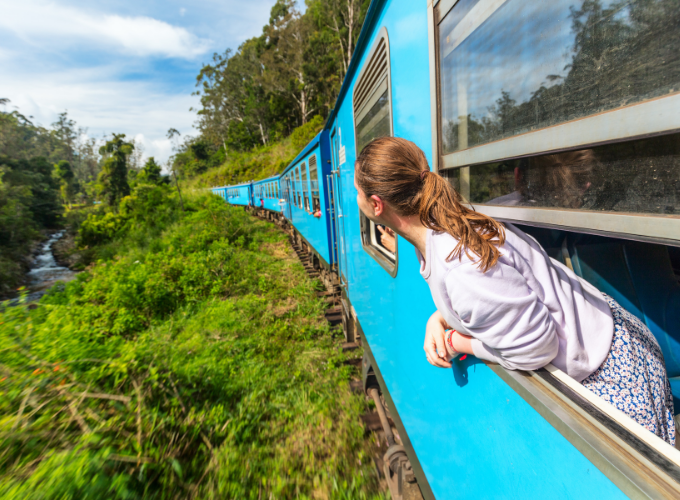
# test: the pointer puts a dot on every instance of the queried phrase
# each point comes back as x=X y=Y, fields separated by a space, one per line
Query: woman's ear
x=377 y=204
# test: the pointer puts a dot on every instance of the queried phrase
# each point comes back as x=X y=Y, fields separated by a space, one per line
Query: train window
x=305 y=188
x=297 y=187
x=640 y=176
x=511 y=67
x=372 y=102
x=314 y=181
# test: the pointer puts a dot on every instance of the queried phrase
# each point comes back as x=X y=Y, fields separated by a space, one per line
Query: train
x=560 y=117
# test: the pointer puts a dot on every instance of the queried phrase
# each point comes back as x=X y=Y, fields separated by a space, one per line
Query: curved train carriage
x=562 y=117
x=240 y=194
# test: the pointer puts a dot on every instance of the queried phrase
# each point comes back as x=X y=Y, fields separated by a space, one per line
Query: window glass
x=304 y=186
x=375 y=124
x=509 y=67
x=298 y=187
x=640 y=176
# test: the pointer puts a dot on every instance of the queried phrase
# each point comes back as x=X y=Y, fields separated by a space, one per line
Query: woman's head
x=396 y=171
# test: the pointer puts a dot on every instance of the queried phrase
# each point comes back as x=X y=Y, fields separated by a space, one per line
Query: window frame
x=370 y=96
x=316 y=199
x=304 y=183
x=657 y=116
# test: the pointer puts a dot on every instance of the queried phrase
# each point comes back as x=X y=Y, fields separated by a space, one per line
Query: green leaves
x=202 y=368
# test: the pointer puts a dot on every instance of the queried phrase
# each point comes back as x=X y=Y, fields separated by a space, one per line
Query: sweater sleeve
x=509 y=323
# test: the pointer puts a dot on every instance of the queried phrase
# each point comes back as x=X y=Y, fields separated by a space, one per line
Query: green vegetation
x=191 y=360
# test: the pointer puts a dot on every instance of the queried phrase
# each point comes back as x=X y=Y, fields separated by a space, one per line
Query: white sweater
x=526 y=311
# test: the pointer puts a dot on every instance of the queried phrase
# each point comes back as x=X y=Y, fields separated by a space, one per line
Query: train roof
x=310 y=145
x=234 y=185
x=364 y=37
x=268 y=179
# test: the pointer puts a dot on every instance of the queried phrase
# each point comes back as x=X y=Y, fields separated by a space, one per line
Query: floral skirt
x=633 y=377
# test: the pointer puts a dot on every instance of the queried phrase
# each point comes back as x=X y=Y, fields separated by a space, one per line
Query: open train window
x=298 y=187
x=314 y=181
x=304 y=187
x=372 y=103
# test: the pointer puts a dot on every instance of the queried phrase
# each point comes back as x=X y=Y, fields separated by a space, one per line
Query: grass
x=196 y=365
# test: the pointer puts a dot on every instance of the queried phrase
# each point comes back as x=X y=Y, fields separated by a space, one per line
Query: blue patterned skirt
x=633 y=377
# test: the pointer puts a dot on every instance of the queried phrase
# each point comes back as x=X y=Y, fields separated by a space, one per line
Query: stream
x=45 y=271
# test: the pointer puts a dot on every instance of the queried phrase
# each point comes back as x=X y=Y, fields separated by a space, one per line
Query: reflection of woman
x=559 y=180
x=507 y=300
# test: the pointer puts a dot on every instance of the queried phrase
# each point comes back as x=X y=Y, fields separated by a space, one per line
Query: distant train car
x=240 y=194
x=561 y=117
x=266 y=194
x=307 y=205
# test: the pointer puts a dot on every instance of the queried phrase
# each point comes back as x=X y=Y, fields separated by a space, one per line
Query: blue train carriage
x=267 y=194
x=561 y=117
x=307 y=204
x=240 y=194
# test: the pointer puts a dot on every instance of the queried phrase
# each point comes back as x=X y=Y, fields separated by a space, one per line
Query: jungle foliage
x=195 y=363
x=255 y=97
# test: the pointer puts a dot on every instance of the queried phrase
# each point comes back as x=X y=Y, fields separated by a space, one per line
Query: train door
x=340 y=239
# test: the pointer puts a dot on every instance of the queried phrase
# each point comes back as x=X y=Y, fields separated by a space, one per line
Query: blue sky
x=117 y=66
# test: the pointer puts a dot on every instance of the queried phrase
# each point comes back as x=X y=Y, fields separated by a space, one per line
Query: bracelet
x=448 y=340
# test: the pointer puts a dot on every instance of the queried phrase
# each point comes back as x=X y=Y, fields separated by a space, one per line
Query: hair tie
x=423 y=173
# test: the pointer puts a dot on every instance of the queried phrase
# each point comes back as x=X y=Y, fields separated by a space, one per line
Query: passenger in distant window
x=387 y=238
x=261 y=203
x=500 y=297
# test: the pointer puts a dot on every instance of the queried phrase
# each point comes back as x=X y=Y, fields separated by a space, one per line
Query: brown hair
x=396 y=170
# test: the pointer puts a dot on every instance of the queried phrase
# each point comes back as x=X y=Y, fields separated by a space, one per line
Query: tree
x=344 y=19
x=151 y=173
x=67 y=181
x=113 y=181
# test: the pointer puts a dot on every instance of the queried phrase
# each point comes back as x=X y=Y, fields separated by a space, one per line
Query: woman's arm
x=435 y=342
x=510 y=324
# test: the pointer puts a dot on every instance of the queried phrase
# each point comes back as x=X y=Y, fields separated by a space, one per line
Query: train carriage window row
x=372 y=106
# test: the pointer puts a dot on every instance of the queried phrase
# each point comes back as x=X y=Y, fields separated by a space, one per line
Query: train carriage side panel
x=266 y=193
x=471 y=434
x=305 y=182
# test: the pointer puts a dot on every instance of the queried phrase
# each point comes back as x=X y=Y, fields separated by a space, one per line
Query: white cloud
x=35 y=20
x=105 y=105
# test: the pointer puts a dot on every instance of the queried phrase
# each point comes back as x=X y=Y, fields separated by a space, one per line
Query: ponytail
x=396 y=170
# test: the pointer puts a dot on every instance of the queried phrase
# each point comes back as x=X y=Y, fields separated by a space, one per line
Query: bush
x=200 y=366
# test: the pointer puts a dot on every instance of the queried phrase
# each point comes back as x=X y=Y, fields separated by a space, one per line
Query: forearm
x=461 y=343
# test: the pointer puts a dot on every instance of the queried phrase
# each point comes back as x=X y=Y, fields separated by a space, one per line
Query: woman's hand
x=387 y=238
x=435 y=342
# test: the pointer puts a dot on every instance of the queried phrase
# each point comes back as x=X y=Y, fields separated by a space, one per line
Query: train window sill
x=637 y=461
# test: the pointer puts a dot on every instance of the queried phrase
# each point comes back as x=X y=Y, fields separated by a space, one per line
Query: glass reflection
x=375 y=124
x=639 y=176
x=509 y=67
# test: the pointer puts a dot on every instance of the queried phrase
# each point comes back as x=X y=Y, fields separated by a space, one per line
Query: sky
x=118 y=66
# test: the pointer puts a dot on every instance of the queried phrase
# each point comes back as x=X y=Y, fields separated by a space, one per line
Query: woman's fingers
x=381 y=229
x=432 y=356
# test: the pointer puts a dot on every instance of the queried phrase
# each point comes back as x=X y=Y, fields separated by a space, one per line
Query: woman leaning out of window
x=501 y=298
